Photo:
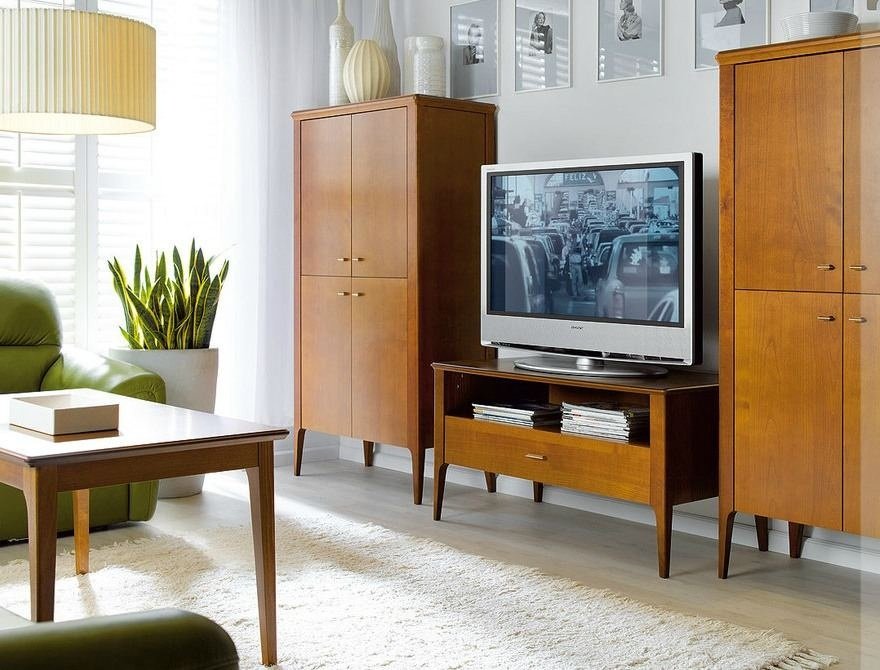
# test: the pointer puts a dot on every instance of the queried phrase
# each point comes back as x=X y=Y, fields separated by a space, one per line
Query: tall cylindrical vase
x=341 y=41
x=383 y=34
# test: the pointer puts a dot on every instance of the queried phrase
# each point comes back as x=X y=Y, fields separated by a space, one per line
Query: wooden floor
x=833 y=610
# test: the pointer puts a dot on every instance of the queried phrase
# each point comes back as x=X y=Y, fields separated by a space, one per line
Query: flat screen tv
x=594 y=264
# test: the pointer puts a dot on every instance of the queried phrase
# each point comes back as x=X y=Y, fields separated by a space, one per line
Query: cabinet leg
x=418 y=474
x=725 y=535
x=299 y=439
x=664 y=538
x=368 y=454
x=491 y=481
x=795 y=539
x=439 y=488
x=538 y=491
x=762 y=527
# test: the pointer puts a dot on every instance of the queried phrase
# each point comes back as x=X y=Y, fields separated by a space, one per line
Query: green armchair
x=31 y=359
x=161 y=640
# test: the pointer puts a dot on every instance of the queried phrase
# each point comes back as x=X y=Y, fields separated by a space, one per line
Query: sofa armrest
x=76 y=368
x=163 y=639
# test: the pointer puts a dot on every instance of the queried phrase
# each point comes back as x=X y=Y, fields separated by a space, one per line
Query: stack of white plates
x=819 y=24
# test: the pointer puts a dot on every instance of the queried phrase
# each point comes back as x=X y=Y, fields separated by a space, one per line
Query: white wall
x=676 y=112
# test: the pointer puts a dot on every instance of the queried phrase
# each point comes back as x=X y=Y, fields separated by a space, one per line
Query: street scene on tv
x=601 y=244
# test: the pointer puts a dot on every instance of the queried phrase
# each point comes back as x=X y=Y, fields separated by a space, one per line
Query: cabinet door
x=379 y=193
x=325 y=389
x=379 y=361
x=325 y=196
x=788 y=454
x=861 y=426
x=861 y=240
x=789 y=174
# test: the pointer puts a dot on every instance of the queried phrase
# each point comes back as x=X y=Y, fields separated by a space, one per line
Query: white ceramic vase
x=425 y=65
x=341 y=41
x=383 y=35
x=366 y=74
x=190 y=381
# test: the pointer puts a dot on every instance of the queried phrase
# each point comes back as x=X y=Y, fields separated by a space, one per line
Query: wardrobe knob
x=825 y=318
x=826 y=267
x=857 y=319
x=858 y=268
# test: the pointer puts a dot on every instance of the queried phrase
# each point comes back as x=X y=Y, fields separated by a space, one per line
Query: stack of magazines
x=529 y=414
x=604 y=419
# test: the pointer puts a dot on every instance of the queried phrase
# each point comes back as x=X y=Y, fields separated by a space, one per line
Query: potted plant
x=169 y=318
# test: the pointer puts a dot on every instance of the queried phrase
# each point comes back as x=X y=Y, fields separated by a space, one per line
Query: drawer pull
x=342 y=293
x=826 y=318
x=357 y=295
x=858 y=319
x=343 y=259
x=825 y=267
x=357 y=260
x=536 y=457
x=858 y=268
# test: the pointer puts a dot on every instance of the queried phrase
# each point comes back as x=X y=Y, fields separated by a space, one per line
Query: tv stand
x=678 y=463
x=588 y=367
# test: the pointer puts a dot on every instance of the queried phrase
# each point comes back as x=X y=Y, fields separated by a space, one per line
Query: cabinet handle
x=342 y=293
x=343 y=259
x=826 y=318
x=536 y=457
x=826 y=267
x=356 y=260
x=857 y=319
x=357 y=295
x=858 y=268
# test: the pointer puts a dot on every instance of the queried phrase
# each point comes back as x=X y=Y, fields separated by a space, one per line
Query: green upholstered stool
x=31 y=359
x=165 y=639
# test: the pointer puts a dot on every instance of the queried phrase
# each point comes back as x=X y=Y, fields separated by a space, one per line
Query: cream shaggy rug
x=358 y=596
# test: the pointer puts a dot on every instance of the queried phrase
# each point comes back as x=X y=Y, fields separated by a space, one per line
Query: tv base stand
x=587 y=367
x=677 y=464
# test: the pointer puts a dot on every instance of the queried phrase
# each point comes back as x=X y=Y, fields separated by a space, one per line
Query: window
x=70 y=204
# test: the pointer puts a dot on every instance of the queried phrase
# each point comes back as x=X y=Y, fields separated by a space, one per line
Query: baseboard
x=317 y=447
x=849 y=555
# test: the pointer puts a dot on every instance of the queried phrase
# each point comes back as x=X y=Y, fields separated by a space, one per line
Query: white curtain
x=274 y=62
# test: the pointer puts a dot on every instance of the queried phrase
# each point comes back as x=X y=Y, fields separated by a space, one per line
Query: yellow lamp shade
x=76 y=73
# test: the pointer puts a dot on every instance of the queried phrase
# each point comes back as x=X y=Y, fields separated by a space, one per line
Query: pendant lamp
x=73 y=72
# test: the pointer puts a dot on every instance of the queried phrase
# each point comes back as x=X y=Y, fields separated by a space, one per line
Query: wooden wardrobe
x=799 y=267
x=386 y=264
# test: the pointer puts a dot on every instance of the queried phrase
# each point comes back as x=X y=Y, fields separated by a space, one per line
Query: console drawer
x=609 y=468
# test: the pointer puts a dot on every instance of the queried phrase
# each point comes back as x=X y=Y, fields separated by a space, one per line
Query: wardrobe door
x=325 y=196
x=861 y=426
x=379 y=194
x=325 y=374
x=379 y=360
x=788 y=454
x=789 y=174
x=861 y=240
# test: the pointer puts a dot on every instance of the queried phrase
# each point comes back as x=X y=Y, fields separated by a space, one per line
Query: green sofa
x=31 y=359
x=160 y=640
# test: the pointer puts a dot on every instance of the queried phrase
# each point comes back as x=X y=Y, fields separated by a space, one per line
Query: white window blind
x=68 y=205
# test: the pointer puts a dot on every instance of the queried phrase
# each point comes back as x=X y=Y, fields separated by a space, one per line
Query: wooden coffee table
x=153 y=442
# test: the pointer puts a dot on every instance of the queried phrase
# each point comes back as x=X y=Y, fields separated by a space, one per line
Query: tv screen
x=597 y=244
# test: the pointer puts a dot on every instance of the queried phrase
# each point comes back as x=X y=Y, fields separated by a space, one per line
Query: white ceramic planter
x=190 y=381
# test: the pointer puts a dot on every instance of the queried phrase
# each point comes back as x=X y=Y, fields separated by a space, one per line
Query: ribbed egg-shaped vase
x=383 y=34
x=341 y=41
x=366 y=73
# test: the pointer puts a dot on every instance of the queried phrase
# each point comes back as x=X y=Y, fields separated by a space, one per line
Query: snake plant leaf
x=178 y=266
x=132 y=342
x=208 y=312
x=137 y=269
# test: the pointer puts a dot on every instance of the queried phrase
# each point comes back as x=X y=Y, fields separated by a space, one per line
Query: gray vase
x=383 y=33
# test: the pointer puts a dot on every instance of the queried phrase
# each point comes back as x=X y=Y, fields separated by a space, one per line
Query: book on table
x=521 y=413
x=617 y=421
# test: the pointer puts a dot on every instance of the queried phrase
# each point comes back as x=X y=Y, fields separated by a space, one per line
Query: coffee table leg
x=40 y=489
x=262 y=493
x=81 y=530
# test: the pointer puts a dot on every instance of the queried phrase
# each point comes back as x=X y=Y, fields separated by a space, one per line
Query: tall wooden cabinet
x=799 y=265
x=386 y=264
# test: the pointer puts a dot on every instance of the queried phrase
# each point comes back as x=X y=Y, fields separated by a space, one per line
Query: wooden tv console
x=678 y=464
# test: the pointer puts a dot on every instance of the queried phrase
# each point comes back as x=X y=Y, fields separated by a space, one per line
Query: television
x=594 y=265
